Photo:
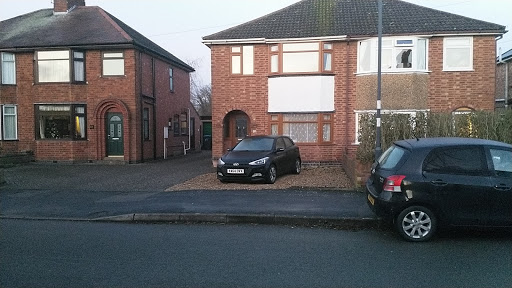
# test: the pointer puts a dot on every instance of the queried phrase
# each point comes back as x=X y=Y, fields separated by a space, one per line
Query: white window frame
x=395 y=47
x=2 y=122
x=447 y=46
x=4 y=71
x=360 y=112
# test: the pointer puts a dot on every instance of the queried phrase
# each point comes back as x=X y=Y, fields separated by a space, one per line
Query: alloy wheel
x=416 y=224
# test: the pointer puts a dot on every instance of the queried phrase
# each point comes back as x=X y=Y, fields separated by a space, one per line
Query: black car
x=259 y=158
x=423 y=183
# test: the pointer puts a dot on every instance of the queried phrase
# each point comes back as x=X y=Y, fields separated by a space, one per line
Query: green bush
x=397 y=126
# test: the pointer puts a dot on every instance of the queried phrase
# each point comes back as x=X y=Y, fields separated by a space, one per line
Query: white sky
x=179 y=25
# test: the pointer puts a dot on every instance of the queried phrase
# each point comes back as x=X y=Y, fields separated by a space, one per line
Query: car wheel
x=416 y=224
x=271 y=175
x=298 y=166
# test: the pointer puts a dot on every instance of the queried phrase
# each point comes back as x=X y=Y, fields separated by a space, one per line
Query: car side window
x=280 y=144
x=455 y=160
x=502 y=161
x=288 y=142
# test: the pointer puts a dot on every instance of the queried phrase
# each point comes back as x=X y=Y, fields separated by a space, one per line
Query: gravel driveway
x=310 y=177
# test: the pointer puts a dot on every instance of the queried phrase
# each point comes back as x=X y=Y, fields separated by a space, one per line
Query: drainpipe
x=500 y=61
x=188 y=124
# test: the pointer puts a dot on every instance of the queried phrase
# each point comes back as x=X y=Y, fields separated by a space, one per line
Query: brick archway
x=236 y=125
x=100 y=118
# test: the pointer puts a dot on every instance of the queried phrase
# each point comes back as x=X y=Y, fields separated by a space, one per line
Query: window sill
x=459 y=70
x=394 y=72
x=301 y=74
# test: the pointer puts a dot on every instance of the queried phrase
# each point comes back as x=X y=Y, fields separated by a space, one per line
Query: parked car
x=423 y=183
x=259 y=158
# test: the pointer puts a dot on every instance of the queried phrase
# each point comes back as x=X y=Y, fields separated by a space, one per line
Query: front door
x=236 y=127
x=115 y=142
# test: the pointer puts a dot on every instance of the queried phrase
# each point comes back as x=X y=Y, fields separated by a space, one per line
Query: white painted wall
x=301 y=94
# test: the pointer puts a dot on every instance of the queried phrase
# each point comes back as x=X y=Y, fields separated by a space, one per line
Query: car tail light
x=392 y=183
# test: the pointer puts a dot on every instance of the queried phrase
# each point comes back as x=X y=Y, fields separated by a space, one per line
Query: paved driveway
x=150 y=176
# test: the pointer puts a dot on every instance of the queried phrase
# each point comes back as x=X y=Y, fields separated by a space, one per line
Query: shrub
x=485 y=125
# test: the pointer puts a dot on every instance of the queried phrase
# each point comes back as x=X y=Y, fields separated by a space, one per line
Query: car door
x=459 y=182
x=292 y=153
x=280 y=157
x=501 y=192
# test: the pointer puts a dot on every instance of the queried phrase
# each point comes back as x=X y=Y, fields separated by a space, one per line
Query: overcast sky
x=179 y=25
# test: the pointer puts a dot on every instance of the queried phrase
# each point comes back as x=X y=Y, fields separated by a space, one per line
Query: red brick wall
x=249 y=93
x=101 y=95
x=474 y=89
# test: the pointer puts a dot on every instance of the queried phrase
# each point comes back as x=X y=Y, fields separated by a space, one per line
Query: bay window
x=398 y=55
x=311 y=57
x=56 y=121
x=303 y=128
x=8 y=68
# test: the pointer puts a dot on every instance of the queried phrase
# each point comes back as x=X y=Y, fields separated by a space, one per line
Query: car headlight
x=261 y=161
x=220 y=162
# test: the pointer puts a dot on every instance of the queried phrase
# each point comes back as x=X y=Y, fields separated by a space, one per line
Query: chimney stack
x=63 y=6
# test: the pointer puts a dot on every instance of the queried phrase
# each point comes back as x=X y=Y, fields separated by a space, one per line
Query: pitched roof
x=323 y=18
x=86 y=26
x=507 y=56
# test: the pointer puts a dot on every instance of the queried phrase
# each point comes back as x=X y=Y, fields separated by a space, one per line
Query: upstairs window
x=171 y=79
x=60 y=66
x=290 y=58
x=113 y=64
x=53 y=66
x=398 y=55
x=242 y=60
x=78 y=66
x=8 y=68
x=458 y=54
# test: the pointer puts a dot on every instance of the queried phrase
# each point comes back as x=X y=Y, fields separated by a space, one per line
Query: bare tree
x=200 y=94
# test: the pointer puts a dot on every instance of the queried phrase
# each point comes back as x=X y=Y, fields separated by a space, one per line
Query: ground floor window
x=303 y=128
x=9 y=122
x=56 y=121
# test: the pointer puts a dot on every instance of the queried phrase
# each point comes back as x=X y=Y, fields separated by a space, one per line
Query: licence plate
x=236 y=171
x=370 y=198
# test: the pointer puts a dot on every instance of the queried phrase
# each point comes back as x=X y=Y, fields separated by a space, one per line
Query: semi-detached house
x=78 y=85
x=309 y=71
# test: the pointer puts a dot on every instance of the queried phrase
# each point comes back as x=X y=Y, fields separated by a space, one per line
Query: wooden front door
x=115 y=137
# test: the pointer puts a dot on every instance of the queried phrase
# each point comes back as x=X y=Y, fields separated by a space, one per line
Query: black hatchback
x=423 y=183
x=259 y=158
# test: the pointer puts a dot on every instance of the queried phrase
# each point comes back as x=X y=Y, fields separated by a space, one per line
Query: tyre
x=297 y=167
x=416 y=224
x=271 y=176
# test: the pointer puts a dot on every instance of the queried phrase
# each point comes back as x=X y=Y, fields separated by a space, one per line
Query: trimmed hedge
x=486 y=125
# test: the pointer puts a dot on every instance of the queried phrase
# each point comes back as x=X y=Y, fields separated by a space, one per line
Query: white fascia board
x=234 y=41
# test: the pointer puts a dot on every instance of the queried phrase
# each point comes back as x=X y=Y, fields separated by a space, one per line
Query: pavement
x=135 y=193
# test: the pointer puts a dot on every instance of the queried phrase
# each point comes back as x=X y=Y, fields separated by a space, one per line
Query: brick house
x=309 y=71
x=78 y=85
x=504 y=81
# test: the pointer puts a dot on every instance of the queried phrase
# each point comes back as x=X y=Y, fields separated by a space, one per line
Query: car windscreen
x=255 y=144
x=391 y=157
